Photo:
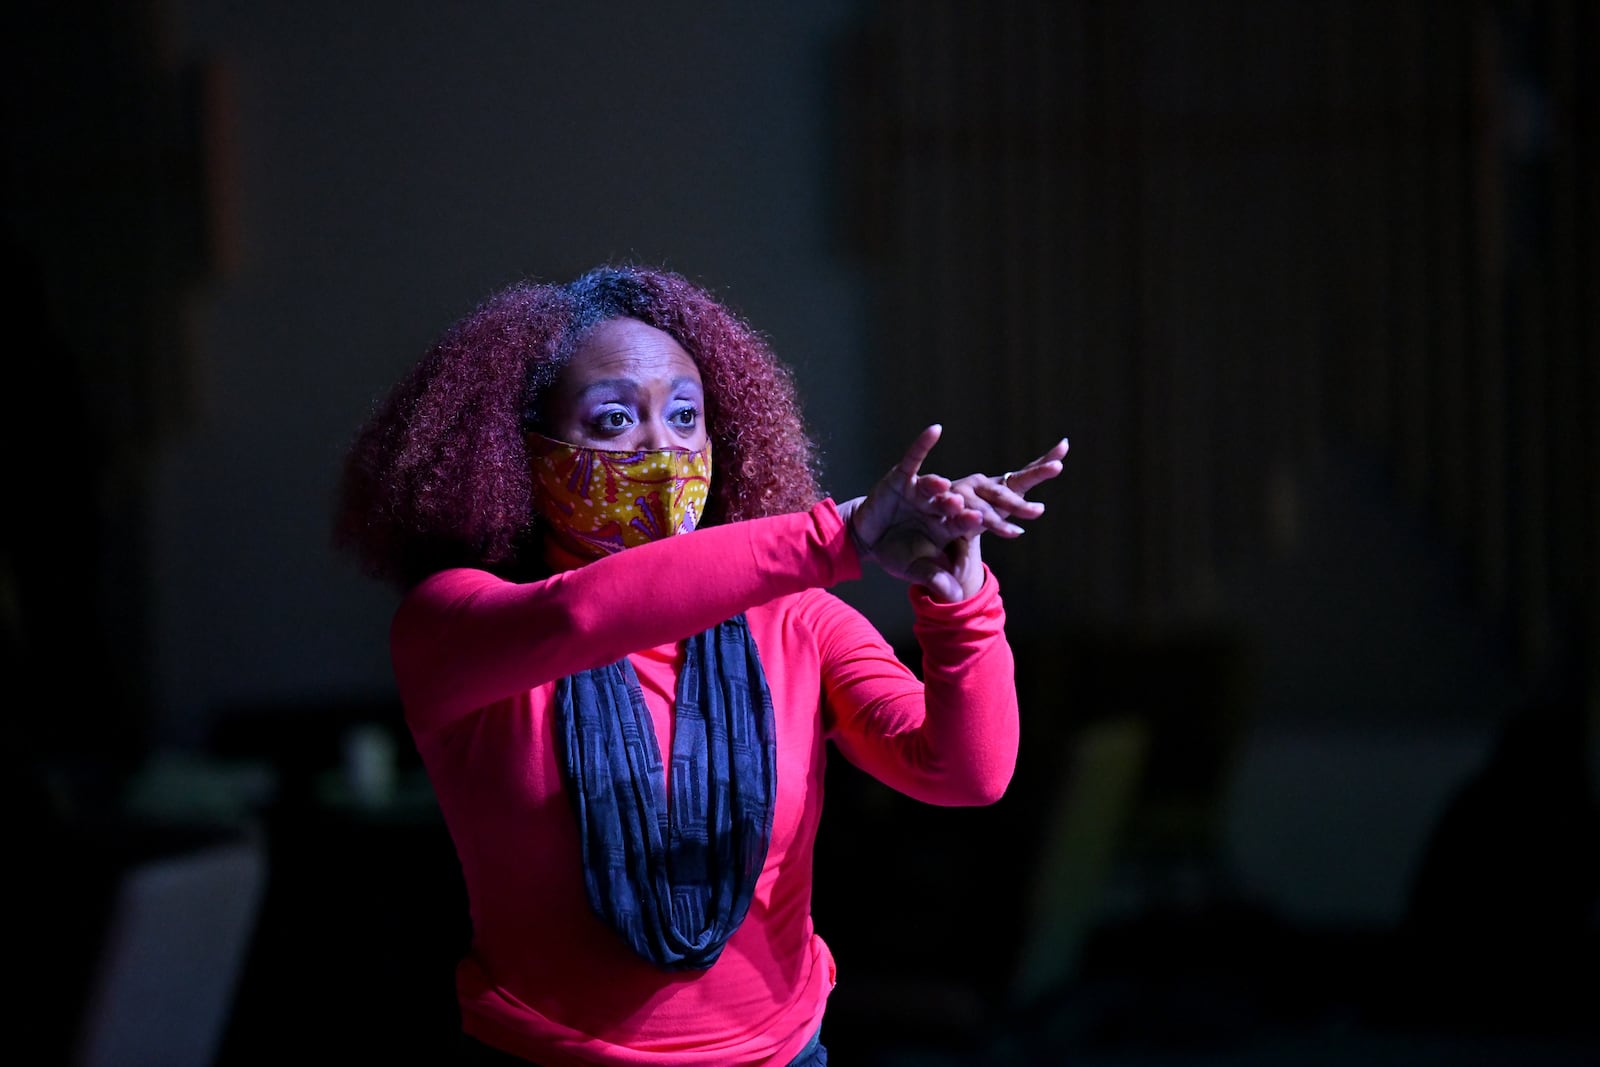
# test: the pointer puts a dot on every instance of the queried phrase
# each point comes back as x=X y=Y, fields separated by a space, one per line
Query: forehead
x=631 y=350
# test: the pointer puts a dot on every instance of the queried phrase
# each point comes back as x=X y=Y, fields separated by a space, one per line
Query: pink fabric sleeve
x=463 y=638
x=950 y=739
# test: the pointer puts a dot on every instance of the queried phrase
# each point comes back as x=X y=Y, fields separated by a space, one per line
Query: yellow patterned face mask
x=596 y=502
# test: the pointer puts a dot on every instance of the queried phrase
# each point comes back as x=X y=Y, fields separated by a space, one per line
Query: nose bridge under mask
x=596 y=502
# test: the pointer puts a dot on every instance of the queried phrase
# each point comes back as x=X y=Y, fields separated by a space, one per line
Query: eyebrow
x=630 y=386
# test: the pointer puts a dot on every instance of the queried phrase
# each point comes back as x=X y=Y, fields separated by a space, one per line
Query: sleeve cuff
x=979 y=603
x=835 y=536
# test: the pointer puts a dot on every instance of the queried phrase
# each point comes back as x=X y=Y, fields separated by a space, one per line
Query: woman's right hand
x=924 y=528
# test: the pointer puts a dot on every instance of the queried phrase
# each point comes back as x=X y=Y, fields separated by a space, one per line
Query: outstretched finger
x=918 y=451
x=1054 y=455
x=1040 y=470
x=988 y=496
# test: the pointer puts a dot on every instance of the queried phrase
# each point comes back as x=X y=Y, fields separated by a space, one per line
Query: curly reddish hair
x=438 y=476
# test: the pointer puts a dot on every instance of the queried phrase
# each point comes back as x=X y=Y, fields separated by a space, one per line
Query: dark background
x=1306 y=641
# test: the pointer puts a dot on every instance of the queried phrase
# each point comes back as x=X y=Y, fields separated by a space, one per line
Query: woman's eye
x=685 y=417
x=612 y=421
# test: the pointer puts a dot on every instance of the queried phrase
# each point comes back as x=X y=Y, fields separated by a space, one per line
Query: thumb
x=934 y=575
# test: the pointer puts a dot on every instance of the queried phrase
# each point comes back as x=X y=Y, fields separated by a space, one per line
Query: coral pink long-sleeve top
x=476 y=660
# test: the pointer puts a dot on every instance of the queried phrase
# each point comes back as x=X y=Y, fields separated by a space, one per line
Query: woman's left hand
x=924 y=528
x=998 y=499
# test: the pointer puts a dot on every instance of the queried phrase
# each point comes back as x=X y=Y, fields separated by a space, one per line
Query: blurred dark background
x=1306 y=641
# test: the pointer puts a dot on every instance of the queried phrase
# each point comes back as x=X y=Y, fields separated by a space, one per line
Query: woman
x=624 y=727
